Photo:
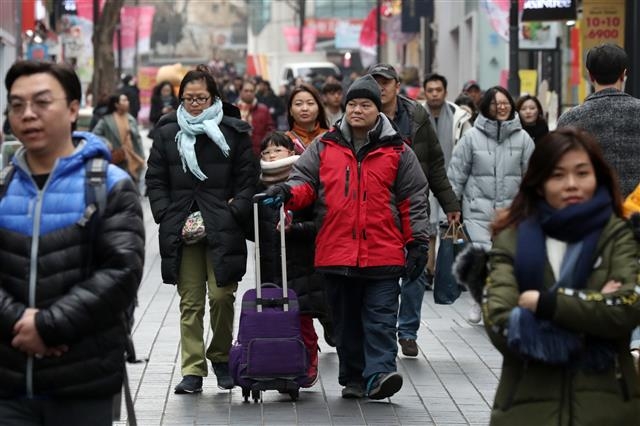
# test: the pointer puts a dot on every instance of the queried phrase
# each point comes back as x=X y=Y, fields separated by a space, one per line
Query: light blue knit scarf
x=190 y=126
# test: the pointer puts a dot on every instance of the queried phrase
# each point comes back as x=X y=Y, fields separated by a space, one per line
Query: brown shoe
x=409 y=347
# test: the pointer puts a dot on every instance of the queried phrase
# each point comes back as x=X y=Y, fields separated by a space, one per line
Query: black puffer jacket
x=80 y=302
x=224 y=198
x=300 y=243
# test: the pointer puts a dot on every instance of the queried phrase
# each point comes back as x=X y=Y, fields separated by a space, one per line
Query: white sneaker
x=475 y=313
x=635 y=353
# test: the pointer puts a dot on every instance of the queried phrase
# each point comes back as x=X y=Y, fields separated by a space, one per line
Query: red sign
x=326 y=27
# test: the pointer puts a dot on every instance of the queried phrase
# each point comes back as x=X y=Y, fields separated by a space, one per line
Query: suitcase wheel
x=255 y=394
x=294 y=394
x=245 y=394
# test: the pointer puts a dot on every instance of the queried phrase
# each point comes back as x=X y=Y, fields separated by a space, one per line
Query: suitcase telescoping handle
x=283 y=253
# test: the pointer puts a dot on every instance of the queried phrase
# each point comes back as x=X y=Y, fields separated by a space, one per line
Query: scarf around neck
x=276 y=171
x=578 y=223
x=246 y=110
x=580 y=226
x=444 y=130
x=305 y=136
x=205 y=123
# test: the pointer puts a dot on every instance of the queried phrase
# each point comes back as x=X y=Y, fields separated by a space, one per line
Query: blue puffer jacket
x=81 y=281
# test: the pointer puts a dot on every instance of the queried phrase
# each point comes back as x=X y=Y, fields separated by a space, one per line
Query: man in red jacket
x=370 y=200
x=254 y=113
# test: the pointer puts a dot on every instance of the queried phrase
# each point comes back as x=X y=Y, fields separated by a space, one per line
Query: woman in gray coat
x=487 y=166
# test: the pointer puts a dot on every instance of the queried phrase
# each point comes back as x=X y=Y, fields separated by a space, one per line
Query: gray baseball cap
x=384 y=70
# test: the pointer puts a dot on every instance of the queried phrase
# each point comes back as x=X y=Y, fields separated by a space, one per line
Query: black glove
x=416 y=260
x=276 y=195
x=635 y=225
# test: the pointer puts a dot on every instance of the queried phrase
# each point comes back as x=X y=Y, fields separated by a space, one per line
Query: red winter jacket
x=368 y=206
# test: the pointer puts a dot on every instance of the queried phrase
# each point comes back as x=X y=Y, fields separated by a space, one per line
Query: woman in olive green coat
x=562 y=295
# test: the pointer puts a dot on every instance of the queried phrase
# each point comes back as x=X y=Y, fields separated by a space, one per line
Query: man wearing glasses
x=68 y=269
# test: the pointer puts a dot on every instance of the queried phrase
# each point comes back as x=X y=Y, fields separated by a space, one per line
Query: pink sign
x=136 y=18
x=292 y=36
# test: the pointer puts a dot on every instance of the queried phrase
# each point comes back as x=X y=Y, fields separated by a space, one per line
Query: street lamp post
x=379 y=31
x=514 y=47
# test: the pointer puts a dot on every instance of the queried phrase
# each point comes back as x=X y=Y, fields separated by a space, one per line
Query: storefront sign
x=412 y=11
x=548 y=10
x=536 y=35
x=602 y=22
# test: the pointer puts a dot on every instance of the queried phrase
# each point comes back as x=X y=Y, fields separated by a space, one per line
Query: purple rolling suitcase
x=269 y=353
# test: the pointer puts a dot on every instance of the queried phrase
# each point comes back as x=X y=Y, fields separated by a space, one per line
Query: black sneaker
x=409 y=347
x=221 y=369
x=189 y=384
x=353 y=391
x=383 y=385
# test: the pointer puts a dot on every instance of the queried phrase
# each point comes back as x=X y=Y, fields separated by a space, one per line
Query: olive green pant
x=196 y=280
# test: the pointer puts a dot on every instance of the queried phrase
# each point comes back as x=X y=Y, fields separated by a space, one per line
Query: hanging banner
x=135 y=22
x=347 y=35
x=548 y=10
x=528 y=82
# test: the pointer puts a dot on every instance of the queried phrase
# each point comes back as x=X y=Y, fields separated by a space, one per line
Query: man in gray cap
x=415 y=127
x=370 y=199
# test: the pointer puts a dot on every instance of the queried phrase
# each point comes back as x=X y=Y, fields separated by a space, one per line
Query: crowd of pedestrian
x=369 y=180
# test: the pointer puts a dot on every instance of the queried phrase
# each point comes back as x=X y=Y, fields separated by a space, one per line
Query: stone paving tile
x=451 y=382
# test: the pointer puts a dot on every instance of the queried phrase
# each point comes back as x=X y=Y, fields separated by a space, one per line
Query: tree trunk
x=104 y=73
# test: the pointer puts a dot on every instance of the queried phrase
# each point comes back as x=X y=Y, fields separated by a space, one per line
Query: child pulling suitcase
x=269 y=353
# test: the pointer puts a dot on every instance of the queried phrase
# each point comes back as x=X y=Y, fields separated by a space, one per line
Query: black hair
x=157 y=89
x=524 y=98
x=113 y=101
x=490 y=97
x=331 y=88
x=606 y=63
x=63 y=73
x=251 y=82
x=276 y=139
x=435 y=77
x=202 y=72
x=322 y=115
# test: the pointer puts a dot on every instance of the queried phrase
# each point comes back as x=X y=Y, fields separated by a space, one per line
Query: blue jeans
x=364 y=314
x=411 y=295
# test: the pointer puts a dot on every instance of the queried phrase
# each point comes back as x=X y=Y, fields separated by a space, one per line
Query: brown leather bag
x=118 y=156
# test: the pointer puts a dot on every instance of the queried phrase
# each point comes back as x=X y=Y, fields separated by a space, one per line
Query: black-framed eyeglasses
x=200 y=100
x=17 y=106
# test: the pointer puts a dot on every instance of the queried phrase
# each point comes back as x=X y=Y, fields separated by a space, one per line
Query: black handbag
x=446 y=288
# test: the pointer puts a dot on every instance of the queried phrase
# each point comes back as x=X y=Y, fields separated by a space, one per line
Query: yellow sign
x=602 y=22
x=528 y=81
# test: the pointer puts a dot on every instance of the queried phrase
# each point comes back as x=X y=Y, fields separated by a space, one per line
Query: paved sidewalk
x=451 y=382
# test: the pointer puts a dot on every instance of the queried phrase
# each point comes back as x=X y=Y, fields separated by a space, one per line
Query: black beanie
x=365 y=87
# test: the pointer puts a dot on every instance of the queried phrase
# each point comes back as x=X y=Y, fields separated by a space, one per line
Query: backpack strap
x=6 y=175
x=96 y=183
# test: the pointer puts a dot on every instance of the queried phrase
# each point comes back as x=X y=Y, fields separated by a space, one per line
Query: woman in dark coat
x=163 y=101
x=532 y=117
x=201 y=161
